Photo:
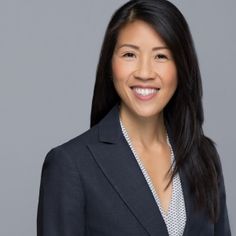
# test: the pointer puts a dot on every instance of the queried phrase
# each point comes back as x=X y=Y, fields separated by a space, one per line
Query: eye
x=129 y=55
x=161 y=57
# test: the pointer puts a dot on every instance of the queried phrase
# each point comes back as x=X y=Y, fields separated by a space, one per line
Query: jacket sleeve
x=61 y=199
x=222 y=227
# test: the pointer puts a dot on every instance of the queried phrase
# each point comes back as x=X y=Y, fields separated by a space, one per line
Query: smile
x=145 y=94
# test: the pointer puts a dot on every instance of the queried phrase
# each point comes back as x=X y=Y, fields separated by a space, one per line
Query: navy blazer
x=93 y=186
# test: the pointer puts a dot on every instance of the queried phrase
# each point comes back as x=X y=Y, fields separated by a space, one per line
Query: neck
x=145 y=131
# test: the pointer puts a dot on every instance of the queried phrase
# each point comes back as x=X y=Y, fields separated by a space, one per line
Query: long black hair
x=195 y=153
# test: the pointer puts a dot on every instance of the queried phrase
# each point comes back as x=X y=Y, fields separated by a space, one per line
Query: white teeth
x=145 y=91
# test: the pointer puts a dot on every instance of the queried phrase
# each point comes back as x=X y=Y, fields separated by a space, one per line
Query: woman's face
x=144 y=72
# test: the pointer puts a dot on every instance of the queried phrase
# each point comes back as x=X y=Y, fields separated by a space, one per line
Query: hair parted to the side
x=195 y=153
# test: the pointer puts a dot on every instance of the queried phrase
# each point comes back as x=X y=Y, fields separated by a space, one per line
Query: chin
x=147 y=113
x=141 y=111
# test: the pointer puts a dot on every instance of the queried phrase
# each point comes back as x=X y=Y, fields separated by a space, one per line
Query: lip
x=147 y=86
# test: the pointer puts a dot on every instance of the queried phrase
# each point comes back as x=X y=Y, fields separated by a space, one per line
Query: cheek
x=120 y=69
x=170 y=74
x=173 y=80
x=117 y=75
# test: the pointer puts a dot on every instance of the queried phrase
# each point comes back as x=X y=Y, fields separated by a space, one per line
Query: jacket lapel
x=115 y=158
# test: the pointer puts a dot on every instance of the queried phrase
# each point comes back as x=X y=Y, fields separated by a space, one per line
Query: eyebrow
x=137 y=48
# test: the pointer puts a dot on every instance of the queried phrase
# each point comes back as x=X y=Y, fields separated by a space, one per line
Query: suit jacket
x=93 y=186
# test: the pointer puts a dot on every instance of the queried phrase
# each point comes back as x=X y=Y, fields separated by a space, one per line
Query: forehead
x=139 y=32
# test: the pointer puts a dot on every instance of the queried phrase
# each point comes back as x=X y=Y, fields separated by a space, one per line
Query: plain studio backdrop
x=48 y=55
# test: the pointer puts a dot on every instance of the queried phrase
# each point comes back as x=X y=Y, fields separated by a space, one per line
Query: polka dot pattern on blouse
x=175 y=218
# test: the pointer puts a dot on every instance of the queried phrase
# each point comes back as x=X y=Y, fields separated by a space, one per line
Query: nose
x=144 y=70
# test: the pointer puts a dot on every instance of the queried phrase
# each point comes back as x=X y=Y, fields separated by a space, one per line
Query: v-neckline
x=147 y=176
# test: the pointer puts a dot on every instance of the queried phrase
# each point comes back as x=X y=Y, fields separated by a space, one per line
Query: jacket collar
x=109 y=126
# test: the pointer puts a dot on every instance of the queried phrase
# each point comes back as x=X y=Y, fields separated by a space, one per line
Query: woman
x=145 y=166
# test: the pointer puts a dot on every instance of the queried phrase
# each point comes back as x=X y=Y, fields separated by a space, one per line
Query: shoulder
x=80 y=142
x=76 y=151
x=73 y=151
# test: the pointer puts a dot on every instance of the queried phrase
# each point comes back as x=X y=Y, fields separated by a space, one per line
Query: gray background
x=48 y=55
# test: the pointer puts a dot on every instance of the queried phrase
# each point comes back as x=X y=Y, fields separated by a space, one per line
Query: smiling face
x=144 y=72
